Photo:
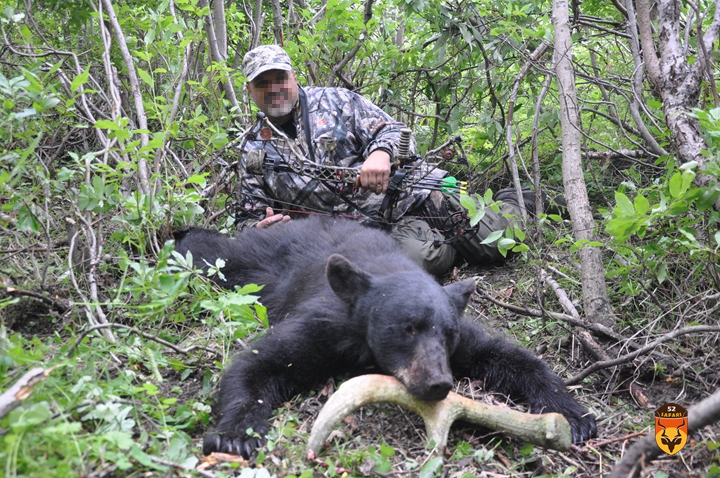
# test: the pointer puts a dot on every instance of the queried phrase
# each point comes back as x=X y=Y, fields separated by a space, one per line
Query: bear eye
x=411 y=330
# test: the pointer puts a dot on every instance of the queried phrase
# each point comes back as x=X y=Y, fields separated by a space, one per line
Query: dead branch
x=578 y=322
x=550 y=430
x=534 y=56
x=85 y=302
x=603 y=443
x=217 y=57
x=636 y=83
x=139 y=332
x=535 y=156
x=562 y=296
x=256 y=22
x=20 y=390
x=58 y=305
x=628 y=357
x=337 y=69
x=278 y=22
x=618 y=154
x=143 y=172
x=591 y=345
x=639 y=454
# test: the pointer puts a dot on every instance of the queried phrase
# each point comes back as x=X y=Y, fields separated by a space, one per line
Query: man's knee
x=425 y=246
x=470 y=246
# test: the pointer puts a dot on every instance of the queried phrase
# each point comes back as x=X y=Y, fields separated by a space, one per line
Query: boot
x=554 y=203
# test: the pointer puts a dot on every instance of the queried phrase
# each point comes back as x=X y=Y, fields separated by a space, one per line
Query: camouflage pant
x=421 y=236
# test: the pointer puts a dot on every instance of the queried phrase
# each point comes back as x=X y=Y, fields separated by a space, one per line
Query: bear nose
x=438 y=390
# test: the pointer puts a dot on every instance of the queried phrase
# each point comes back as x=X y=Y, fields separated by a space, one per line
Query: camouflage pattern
x=358 y=127
x=264 y=58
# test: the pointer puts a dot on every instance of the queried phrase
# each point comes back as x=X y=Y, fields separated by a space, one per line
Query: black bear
x=344 y=299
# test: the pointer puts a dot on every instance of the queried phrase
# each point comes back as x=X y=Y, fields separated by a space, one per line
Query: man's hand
x=271 y=218
x=375 y=172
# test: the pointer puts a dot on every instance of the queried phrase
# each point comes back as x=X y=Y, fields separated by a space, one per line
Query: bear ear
x=459 y=293
x=347 y=281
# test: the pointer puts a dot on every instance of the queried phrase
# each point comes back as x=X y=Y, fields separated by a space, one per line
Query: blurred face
x=275 y=92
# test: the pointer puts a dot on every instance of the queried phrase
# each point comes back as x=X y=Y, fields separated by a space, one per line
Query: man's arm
x=380 y=135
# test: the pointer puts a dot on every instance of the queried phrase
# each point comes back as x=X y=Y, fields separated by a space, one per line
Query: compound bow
x=408 y=171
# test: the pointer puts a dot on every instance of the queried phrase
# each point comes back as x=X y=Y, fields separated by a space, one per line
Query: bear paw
x=234 y=443
x=582 y=425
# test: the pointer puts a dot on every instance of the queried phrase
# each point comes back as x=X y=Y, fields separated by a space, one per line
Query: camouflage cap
x=264 y=58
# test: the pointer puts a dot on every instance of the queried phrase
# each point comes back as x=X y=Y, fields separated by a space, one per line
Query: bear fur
x=344 y=299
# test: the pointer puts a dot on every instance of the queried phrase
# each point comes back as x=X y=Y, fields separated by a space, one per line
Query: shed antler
x=550 y=430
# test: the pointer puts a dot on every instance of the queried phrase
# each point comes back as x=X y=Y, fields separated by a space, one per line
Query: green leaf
x=621 y=228
x=146 y=77
x=689 y=235
x=219 y=140
x=687 y=178
x=521 y=248
x=676 y=182
x=25 y=113
x=624 y=205
x=28 y=416
x=492 y=237
x=717 y=237
x=526 y=449
x=107 y=124
x=506 y=243
x=149 y=36
x=519 y=234
x=488 y=196
x=80 y=80
x=431 y=468
x=642 y=205
x=197 y=179
x=468 y=203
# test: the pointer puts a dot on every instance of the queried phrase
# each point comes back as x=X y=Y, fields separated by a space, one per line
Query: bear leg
x=515 y=372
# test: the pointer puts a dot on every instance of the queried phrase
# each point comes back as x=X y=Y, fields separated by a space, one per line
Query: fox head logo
x=671 y=428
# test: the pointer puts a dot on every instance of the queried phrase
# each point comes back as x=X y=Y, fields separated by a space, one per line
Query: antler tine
x=550 y=430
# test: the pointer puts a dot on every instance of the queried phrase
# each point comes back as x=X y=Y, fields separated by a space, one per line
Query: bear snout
x=438 y=389
x=425 y=384
x=428 y=375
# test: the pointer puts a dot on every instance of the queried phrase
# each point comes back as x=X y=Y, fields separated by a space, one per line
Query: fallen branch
x=618 y=154
x=550 y=430
x=628 y=357
x=139 y=332
x=21 y=390
x=640 y=453
x=58 y=305
x=578 y=322
x=562 y=296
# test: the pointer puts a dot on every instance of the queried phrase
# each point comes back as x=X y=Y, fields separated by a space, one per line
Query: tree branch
x=652 y=62
x=143 y=171
x=351 y=54
x=139 y=332
x=628 y=357
x=218 y=58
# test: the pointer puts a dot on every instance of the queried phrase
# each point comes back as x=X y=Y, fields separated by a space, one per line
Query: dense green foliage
x=82 y=228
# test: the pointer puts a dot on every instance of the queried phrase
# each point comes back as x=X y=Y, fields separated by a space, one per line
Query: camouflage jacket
x=359 y=128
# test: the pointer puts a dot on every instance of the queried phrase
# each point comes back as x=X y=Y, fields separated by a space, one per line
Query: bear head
x=411 y=322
